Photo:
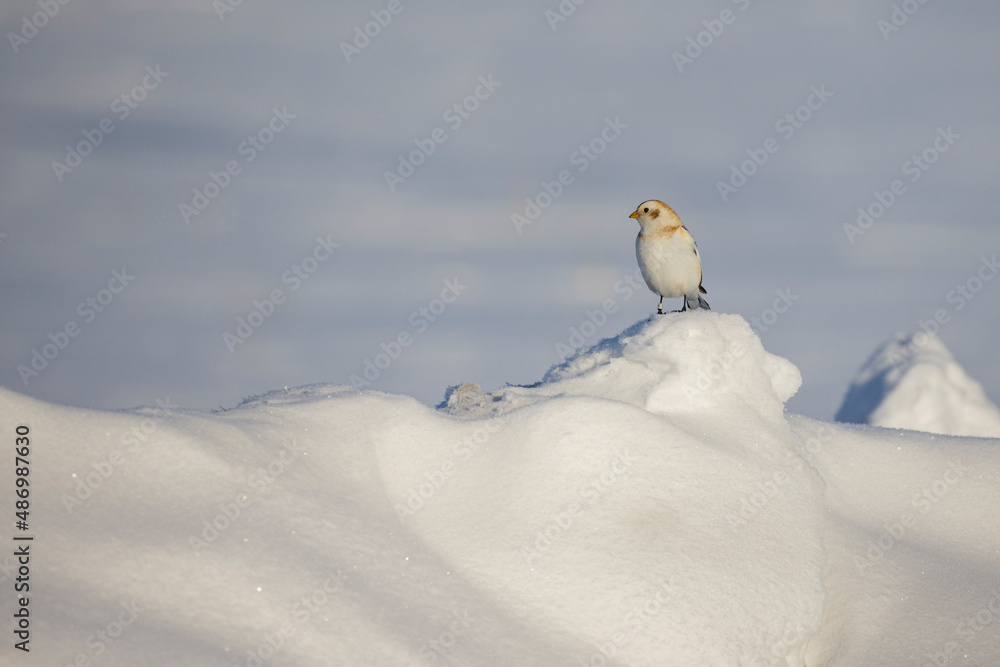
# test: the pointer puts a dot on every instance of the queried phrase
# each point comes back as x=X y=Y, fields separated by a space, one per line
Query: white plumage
x=668 y=255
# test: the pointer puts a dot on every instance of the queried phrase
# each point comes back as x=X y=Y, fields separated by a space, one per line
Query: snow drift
x=648 y=502
x=914 y=382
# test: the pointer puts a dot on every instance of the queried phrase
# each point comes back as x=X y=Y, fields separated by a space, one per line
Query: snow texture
x=914 y=382
x=649 y=502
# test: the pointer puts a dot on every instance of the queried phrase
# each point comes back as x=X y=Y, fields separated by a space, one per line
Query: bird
x=668 y=256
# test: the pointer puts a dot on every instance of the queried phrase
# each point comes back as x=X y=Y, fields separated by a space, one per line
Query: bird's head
x=654 y=215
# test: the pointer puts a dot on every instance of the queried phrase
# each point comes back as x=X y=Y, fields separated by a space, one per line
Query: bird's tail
x=695 y=302
x=701 y=302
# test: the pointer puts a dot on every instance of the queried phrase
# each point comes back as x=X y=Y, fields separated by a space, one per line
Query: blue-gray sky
x=308 y=128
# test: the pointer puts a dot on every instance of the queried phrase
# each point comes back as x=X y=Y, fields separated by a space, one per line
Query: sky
x=203 y=201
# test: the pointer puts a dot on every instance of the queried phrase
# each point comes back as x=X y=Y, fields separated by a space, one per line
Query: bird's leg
x=659 y=308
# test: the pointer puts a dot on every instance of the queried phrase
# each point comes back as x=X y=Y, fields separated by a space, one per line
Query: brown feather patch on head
x=654 y=214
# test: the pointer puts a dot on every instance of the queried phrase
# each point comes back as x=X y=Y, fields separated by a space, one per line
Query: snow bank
x=606 y=484
x=914 y=382
x=912 y=541
x=647 y=503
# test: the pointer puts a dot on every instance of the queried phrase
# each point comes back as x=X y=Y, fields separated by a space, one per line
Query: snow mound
x=699 y=363
x=647 y=503
x=613 y=464
x=914 y=382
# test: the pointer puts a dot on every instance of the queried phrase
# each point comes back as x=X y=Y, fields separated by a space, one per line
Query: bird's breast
x=670 y=264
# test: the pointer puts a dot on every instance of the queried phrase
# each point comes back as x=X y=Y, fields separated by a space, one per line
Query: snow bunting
x=668 y=256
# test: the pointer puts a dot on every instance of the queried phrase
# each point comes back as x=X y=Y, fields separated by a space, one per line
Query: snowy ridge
x=670 y=367
x=914 y=382
x=648 y=503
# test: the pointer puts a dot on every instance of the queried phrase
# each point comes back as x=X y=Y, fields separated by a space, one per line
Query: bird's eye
x=645 y=210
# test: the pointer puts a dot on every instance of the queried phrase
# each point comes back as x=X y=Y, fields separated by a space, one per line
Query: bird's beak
x=635 y=214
